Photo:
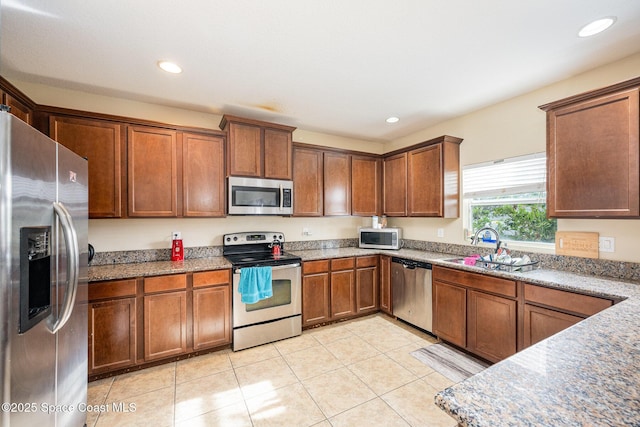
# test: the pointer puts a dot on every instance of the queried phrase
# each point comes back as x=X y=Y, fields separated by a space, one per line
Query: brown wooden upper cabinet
x=366 y=185
x=152 y=171
x=337 y=184
x=21 y=106
x=424 y=179
x=593 y=153
x=102 y=144
x=308 y=185
x=258 y=149
x=334 y=182
x=203 y=189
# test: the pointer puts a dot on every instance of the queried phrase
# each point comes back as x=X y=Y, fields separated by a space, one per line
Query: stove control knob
x=275 y=237
x=235 y=239
x=228 y=239
x=281 y=237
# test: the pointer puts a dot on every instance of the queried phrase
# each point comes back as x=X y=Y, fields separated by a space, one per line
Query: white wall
x=517 y=127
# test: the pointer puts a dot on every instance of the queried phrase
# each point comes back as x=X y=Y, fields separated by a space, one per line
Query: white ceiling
x=334 y=66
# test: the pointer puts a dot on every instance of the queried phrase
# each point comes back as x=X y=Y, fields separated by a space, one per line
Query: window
x=510 y=196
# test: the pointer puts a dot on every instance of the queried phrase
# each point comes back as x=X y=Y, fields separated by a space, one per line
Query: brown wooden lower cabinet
x=165 y=325
x=211 y=317
x=540 y=323
x=339 y=288
x=491 y=325
x=132 y=322
x=450 y=313
x=112 y=325
x=343 y=288
x=548 y=311
x=112 y=335
x=367 y=284
x=315 y=299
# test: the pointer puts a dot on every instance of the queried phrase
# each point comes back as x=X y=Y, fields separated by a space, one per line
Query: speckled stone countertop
x=154 y=268
x=587 y=375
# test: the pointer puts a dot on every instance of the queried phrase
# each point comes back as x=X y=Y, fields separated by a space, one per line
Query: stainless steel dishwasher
x=412 y=294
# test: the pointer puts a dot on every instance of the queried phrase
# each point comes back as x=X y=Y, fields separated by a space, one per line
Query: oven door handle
x=278 y=267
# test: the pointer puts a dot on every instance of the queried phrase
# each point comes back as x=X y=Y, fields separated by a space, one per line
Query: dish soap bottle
x=177 y=250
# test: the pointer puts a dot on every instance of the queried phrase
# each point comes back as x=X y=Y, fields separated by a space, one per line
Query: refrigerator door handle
x=73 y=259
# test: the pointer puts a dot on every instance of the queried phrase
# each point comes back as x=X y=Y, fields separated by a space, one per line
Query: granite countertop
x=585 y=375
x=154 y=268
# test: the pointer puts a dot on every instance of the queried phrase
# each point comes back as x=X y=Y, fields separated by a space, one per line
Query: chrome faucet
x=475 y=238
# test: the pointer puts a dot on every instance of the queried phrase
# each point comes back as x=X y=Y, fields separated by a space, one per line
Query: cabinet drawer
x=312 y=267
x=342 y=264
x=476 y=281
x=208 y=278
x=367 y=261
x=112 y=289
x=165 y=283
x=563 y=300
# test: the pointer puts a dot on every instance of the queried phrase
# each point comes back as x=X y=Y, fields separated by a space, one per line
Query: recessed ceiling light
x=170 y=67
x=597 y=26
x=393 y=120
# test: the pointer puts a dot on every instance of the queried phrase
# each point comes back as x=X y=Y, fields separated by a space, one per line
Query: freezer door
x=72 y=337
x=31 y=367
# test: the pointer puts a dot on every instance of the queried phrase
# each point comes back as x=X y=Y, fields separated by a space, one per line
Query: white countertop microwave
x=254 y=196
x=380 y=238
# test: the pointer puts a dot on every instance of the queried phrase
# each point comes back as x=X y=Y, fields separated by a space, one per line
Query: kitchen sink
x=527 y=265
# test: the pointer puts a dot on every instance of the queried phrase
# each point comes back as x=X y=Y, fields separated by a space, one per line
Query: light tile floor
x=354 y=373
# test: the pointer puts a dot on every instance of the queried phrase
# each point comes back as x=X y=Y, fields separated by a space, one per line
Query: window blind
x=522 y=174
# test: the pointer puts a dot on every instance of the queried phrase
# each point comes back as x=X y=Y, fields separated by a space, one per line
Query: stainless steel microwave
x=254 y=196
x=380 y=238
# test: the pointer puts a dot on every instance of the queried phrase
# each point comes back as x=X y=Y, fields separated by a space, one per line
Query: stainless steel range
x=270 y=319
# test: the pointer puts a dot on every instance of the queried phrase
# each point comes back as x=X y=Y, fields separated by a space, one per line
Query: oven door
x=285 y=302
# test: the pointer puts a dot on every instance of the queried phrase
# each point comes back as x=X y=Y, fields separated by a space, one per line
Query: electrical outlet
x=440 y=232
x=607 y=244
x=306 y=231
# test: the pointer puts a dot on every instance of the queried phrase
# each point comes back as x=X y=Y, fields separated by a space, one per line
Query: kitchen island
x=584 y=375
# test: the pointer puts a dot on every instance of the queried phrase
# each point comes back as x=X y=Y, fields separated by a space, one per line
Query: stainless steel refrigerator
x=43 y=278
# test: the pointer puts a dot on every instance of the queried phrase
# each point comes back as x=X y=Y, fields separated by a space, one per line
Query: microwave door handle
x=281 y=197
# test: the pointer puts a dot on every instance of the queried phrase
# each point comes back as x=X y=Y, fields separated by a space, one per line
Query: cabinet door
x=450 y=313
x=367 y=289
x=593 y=158
x=100 y=142
x=337 y=184
x=343 y=294
x=365 y=186
x=19 y=109
x=424 y=187
x=245 y=150
x=491 y=326
x=152 y=168
x=315 y=299
x=307 y=182
x=395 y=185
x=112 y=335
x=203 y=175
x=211 y=317
x=277 y=154
x=165 y=325
x=540 y=323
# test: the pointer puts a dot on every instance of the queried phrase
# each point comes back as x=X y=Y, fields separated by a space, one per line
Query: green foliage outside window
x=522 y=222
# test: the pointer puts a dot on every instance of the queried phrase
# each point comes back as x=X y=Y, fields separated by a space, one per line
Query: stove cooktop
x=261 y=259
x=250 y=249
